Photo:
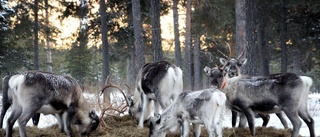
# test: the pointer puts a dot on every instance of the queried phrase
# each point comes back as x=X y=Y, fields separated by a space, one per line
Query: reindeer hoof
x=140 y=127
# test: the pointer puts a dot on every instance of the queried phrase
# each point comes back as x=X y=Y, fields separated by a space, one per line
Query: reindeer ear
x=223 y=61
x=158 y=118
x=130 y=100
x=92 y=112
x=93 y=115
x=207 y=70
x=242 y=61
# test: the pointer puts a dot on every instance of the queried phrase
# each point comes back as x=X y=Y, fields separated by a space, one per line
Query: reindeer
x=287 y=92
x=47 y=93
x=159 y=81
x=7 y=101
x=216 y=74
x=196 y=107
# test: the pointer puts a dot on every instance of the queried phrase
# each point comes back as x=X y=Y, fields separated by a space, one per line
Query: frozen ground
x=314 y=109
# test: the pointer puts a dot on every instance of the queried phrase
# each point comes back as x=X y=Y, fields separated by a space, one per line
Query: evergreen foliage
x=212 y=20
x=78 y=61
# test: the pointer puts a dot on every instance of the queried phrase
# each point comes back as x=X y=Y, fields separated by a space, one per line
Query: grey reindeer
x=7 y=102
x=216 y=75
x=287 y=92
x=160 y=82
x=47 y=93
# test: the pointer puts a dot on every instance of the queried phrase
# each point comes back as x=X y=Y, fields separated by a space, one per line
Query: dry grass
x=127 y=127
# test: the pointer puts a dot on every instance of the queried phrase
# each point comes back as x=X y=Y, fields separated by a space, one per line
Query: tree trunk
x=137 y=26
x=241 y=32
x=105 y=45
x=261 y=34
x=250 y=67
x=83 y=34
x=132 y=65
x=156 y=30
x=187 y=51
x=47 y=32
x=35 y=31
x=263 y=50
x=197 y=65
x=105 y=48
x=129 y=77
x=177 y=48
x=283 y=37
x=135 y=69
x=296 y=68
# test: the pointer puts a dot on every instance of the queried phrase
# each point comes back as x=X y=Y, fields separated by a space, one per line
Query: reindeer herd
x=160 y=100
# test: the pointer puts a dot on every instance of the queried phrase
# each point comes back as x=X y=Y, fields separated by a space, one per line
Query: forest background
x=91 y=39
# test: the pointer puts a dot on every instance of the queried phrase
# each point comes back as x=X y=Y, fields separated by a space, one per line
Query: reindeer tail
x=5 y=99
x=5 y=88
x=307 y=81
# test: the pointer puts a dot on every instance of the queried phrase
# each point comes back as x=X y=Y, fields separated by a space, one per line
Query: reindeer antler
x=228 y=57
x=114 y=86
x=119 y=109
x=243 y=52
x=229 y=47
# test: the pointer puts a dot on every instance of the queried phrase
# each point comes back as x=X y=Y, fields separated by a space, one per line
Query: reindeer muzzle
x=233 y=73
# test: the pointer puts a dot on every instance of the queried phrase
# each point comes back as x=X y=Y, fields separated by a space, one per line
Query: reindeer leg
x=60 y=122
x=242 y=120
x=67 y=119
x=16 y=112
x=209 y=124
x=295 y=120
x=156 y=107
x=25 y=116
x=185 y=128
x=217 y=121
x=35 y=119
x=265 y=119
x=250 y=117
x=196 y=130
x=234 y=117
x=5 y=107
x=282 y=119
x=303 y=113
x=145 y=103
x=5 y=98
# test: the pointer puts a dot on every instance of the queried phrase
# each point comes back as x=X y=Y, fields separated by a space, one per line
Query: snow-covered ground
x=314 y=109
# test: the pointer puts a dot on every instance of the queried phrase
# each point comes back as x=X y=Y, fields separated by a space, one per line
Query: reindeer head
x=216 y=74
x=231 y=67
x=89 y=124
x=135 y=106
x=156 y=127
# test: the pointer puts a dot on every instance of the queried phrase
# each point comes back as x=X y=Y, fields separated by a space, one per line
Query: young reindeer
x=216 y=74
x=47 y=93
x=274 y=93
x=159 y=81
x=196 y=107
